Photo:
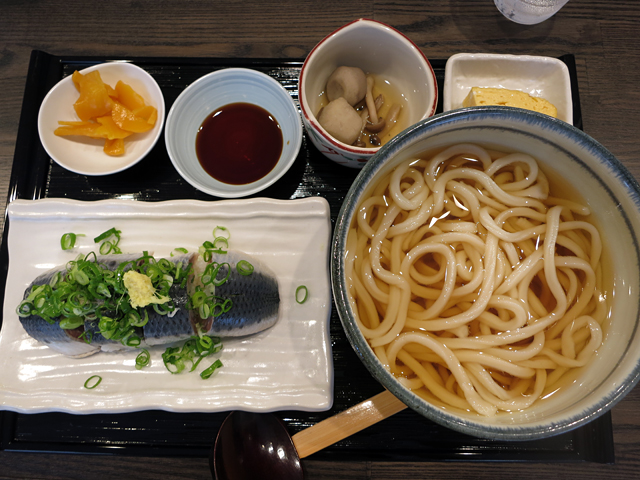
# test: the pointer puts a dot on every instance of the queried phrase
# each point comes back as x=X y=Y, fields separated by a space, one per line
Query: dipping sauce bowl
x=217 y=91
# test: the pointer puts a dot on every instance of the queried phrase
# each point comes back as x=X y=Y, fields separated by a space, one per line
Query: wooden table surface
x=603 y=36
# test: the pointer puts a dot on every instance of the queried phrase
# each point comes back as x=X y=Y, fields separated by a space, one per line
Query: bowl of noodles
x=473 y=276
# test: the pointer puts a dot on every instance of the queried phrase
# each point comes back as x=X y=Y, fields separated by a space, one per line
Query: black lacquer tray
x=406 y=436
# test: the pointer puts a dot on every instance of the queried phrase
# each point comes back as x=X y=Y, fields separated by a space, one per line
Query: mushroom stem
x=376 y=127
x=371 y=104
x=392 y=114
x=364 y=115
x=392 y=118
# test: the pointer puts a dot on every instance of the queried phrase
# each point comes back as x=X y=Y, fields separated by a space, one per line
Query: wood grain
x=601 y=34
x=347 y=423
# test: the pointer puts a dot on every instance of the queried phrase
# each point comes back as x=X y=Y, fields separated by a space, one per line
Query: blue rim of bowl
x=355 y=336
x=251 y=189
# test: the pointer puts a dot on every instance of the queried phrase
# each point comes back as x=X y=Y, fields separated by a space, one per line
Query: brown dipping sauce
x=239 y=143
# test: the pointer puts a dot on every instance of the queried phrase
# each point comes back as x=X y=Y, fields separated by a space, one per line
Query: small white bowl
x=378 y=49
x=85 y=155
x=543 y=77
x=215 y=90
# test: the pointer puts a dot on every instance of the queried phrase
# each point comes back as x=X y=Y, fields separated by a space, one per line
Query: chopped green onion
x=102 y=290
x=107 y=234
x=162 y=308
x=220 y=240
x=87 y=336
x=209 y=371
x=208 y=305
x=68 y=241
x=198 y=298
x=219 y=245
x=204 y=343
x=81 y=277
x=56 y=277
x=193 y=350
x=305 y=291
x=25 y=309
x=222 y=230
x=143 y=359
x=244 y=268
x=205 y=310
x=106 y=247
x=226 y=305
x=109 y=246
x=90 y=385
x=179 y=250
x=219 y=249
x=211 y=271
x=173 y=360
x=132 y=340
x=71 y=322
x=107 y=327
x=135 y=320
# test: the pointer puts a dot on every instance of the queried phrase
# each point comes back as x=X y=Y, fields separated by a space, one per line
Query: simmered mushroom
x=375 y=123
x=391 y=119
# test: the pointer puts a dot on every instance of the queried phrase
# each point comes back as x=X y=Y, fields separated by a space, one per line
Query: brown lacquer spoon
x=257 y=445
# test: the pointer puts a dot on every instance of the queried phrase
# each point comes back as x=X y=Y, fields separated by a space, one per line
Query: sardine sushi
x=106 y=303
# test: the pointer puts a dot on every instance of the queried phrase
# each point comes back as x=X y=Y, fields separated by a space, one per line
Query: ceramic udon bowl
x=375 y=48
x=614 y=198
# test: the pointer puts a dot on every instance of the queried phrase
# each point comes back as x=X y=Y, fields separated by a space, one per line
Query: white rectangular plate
x=286 y=367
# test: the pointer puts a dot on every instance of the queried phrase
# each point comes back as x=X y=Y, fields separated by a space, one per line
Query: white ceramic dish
x=215 y=90
x=286 y=367
x=544 y=77
x=378 y=49
x=85 y=155
x=613 y=196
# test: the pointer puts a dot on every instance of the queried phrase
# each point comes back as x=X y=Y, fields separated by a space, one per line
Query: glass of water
x=529 y=12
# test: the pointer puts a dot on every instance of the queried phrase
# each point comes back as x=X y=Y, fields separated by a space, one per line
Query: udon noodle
x=478 y=289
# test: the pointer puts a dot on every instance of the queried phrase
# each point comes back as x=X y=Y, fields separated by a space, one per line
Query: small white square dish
x=538 y=76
